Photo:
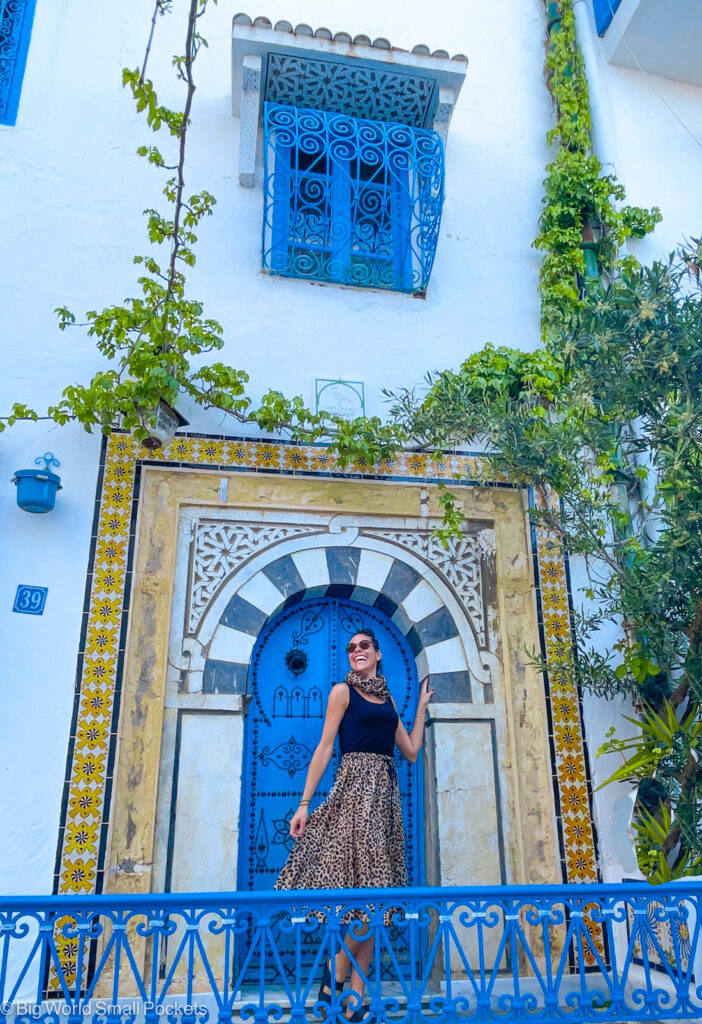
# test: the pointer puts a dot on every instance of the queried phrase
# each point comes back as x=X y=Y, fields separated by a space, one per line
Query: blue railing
x=350 y=201
x=626 y=952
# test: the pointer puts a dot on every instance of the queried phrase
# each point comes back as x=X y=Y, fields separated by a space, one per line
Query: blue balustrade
x=350 y=201
x=628 y=952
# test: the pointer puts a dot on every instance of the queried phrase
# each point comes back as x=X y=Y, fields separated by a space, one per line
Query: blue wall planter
x=36 y=488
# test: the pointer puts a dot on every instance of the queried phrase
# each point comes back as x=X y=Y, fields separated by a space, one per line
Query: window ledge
x=315 y=69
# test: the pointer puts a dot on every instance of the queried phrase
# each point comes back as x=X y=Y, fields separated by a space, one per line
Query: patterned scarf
x=376 y=686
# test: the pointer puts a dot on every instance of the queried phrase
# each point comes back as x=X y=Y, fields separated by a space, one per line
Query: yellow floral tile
x=567 y=737
x=89 y=766
x=556 y=625
x=79 y=875
x=571 y=769
x=84 y=803
x=294 y=458
x=107 y=584
x=117 y=496
x=118 y=473
x=581 y=865
x=106 y=609
x=362 y=466
x=237 y=454
x=576 y=832
x=209 y=453
x=565 y=709
x=81 y=837
x=111 y=553
x=554 y=599
x=321 y=460
x=574 y=798
x=93 y=736
x=121 y=445
x=266 y=456
x=95 y=705
x=418 y=464
x=102 y=639
x=463 y=466
x=181 y=449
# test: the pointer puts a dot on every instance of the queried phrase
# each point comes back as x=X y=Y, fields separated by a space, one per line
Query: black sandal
x=324 y=994
x=360 y=1015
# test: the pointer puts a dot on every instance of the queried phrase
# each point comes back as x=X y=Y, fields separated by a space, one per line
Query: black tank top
x=366 y=727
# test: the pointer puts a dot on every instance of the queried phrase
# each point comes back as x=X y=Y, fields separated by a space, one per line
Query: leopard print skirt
x=355 y=839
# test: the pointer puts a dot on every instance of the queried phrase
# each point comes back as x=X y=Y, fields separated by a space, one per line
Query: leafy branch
x=577 y=196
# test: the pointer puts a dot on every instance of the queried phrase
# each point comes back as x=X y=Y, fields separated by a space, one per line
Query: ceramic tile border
x=96 y=709
x=571 y=773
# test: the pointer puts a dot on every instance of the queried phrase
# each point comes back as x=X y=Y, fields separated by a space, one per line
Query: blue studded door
x=298 y=656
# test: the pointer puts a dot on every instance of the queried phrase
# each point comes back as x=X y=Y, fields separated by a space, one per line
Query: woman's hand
x=298 y=823
x=425 y=695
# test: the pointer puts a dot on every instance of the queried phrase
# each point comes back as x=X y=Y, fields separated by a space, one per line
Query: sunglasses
x=362 y=645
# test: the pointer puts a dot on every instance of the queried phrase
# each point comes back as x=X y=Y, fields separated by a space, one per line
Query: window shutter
x=341 y=228
x=401 y=214
x=280 y=258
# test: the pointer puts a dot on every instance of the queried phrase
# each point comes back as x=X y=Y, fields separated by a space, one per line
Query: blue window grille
x=16 y=18
x=604 y=12
x=350 y=201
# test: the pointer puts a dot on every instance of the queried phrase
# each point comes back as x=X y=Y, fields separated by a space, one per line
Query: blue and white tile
x=311 y=563
x=446 y=656
x=262 y=593
x=420 y=602
x=231 y=645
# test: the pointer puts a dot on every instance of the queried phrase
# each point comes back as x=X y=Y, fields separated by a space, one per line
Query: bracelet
x=304 y=803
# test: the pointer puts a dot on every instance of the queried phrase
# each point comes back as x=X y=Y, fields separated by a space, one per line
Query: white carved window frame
x=253 y=42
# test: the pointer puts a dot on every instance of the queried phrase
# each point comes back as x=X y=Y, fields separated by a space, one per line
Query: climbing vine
x=154 y=343
x=580 y=203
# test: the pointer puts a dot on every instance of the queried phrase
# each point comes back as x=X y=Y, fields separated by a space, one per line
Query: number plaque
x=30 y=600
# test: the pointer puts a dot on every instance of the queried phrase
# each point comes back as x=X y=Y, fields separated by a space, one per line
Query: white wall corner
x=250 y=103
x=442 y=117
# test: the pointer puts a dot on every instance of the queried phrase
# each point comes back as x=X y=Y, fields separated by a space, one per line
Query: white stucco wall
x=72 y=192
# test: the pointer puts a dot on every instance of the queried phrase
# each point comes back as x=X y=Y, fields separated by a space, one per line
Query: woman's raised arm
x=411 y=744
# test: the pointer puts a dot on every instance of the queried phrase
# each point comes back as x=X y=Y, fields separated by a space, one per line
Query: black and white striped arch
x=384 y=576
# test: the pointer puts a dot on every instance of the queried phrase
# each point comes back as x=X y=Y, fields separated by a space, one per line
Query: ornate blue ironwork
x=310 y=624
x=49 y=460
x=351 y=201
x=379 y=94
x=298 y=702
x=15 y=29
x=515 y=953
x=291 y=756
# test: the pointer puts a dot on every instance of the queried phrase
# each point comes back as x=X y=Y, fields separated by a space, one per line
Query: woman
x=355 y=839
